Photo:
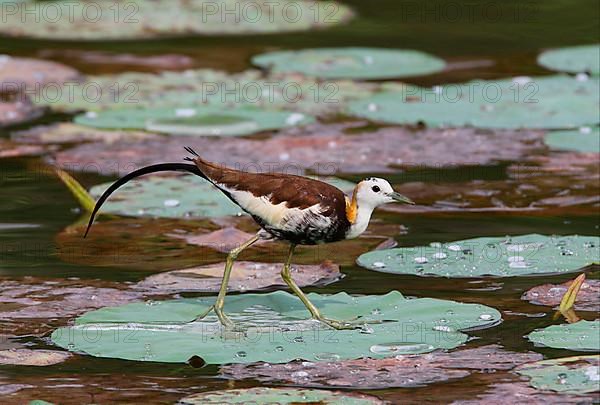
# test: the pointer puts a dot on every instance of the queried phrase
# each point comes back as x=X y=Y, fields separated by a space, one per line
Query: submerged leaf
x=277 y=328
x=493 y=256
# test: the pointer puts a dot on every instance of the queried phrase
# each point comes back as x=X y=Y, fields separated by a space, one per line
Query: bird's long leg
x=220 y=302
x=316 y=314
x=233 y=254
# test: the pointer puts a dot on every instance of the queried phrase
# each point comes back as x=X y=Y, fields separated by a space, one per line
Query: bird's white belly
x=279 y=216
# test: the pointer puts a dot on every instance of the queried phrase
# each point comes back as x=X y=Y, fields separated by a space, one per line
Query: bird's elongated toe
x=339 y=325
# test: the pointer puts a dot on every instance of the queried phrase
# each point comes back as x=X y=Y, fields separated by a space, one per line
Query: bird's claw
x=339 y=325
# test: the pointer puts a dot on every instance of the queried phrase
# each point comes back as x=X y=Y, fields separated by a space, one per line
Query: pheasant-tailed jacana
x=296 y=209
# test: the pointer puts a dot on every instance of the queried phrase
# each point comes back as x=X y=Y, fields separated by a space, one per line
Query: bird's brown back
x=295 y=191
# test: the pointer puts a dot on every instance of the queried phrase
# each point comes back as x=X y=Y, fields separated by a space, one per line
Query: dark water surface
x=510 y=33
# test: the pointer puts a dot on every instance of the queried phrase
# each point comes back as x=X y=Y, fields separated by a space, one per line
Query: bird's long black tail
x=161 y=167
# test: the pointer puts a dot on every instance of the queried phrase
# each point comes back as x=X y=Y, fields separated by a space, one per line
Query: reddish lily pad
x=289 y=396
x=588 y=298
x=120 y=61
x=367 y=373
x=10 y=149
x=34 y=306
x=17 y=111
x=18 y=74
x=244 y=276
x=298 y=150
x=28 y=357
x=560 y=183
x=222 y=240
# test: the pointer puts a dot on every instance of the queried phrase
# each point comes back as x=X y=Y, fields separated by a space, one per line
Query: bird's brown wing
x=252 y=191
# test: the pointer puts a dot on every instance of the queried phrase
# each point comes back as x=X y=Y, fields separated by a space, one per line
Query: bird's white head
x=368 y=195
x=373 y=192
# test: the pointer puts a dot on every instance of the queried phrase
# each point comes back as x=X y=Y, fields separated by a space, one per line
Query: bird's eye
x=376 y=189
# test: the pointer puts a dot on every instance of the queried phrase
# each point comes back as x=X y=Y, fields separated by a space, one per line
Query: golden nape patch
x=352 y=206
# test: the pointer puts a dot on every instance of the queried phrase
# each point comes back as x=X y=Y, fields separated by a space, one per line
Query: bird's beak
x=400 y=198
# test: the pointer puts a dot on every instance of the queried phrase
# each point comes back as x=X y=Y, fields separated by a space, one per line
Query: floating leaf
x=575 y=59
x=173 y=197
x=550 y=295
x=245 y=276
x=66 y=132
x=501 y=257
x=324 y=149
x=277 y=328
x=552 y=102
x=283 y=396
x=575 y=375
x=126 y=19
x=24 y=302
x=206 y=87
x=199 y=121
x=15 y=112
x=351 y=63
x=32 y=73
x=580 y=336
x=28 y=357
x=585 y=139
x=519 y=392
x=367 y=373
x=222 y=240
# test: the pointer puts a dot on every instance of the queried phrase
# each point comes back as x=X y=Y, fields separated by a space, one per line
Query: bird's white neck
x=361 y=222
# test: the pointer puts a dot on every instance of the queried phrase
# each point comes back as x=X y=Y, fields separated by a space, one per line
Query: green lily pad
x=501 y=257
x=130 y=19
x=175 y=197
x=266 y=395
x=575 y=59
x=585 y=139
x=203 y=87
x=278 y=328
x=552 y=102
x=574 y=375
x=580 y=336
x=351 y=63
x=203 y=121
